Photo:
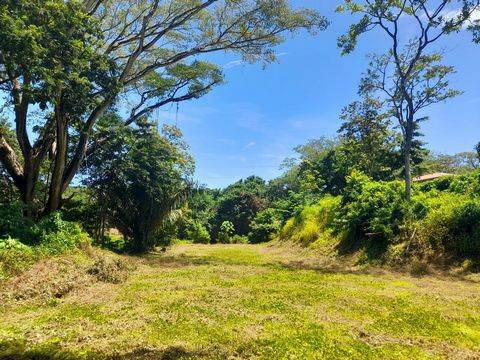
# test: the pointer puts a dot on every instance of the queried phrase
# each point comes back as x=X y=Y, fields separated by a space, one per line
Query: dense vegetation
x=88 y=177
x=81 y=81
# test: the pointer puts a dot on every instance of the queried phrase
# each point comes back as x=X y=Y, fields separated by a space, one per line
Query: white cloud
x=450 y=14
x=233 y=64
x=249 y=145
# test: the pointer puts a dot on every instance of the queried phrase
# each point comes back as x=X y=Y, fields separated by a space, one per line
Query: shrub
x=56 y=235
x=466 y=184
x=114 y=243
x=238 y=239
x=441 y=184
x=453 y=227
x=369 y=209
x=9 y=244
x=13 y=223
x=49 y=236
x=313 y=224
x=198 y=233
x=226 y=232
x=264 y=225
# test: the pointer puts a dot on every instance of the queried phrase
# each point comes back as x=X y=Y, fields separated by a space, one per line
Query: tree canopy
x=64 y=64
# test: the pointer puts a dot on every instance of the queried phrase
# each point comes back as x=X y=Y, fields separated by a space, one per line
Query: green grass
x=249 y=302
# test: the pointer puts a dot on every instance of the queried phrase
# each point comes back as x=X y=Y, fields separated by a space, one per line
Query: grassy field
x=248 y=302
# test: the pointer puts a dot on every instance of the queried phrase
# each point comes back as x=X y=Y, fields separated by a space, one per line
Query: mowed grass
x=249 y=302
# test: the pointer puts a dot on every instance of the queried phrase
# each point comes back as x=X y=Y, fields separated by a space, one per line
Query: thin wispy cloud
x=249 y=146
x=234 y=63
x=453 y=13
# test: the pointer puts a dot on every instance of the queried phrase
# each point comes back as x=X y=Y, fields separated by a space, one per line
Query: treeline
x=81 y=80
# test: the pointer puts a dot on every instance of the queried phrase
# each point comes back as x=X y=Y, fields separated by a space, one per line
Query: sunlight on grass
x=249 y=302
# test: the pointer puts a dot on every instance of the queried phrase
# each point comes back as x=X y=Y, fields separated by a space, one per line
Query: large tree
x=410 y=77
x=406 y=97
x=368 y=142
x=144 y=185
x=239 y=203
x=63 y=64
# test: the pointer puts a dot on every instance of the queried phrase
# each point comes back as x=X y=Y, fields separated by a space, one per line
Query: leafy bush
x=226 y=232
x=198 y=233
x=453 y=227
x=9 y=244
x=441 y=184
x=114 y=243
x=371 y=209
x=466 y=184
x=57 y=236
x=49 y=236
x=238 y=239
x=314 y=224
x=13 y=223
x=264 y=225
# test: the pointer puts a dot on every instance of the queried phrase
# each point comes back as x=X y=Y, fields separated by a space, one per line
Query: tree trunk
x=56 y=183
x=407 y=160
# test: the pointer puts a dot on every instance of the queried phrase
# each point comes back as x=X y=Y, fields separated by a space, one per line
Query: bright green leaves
x=49 y=46
x=348 y=42
x=139 y=178
x=192 y=80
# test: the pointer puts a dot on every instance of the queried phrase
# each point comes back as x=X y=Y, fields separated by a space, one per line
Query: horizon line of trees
x=80 y=80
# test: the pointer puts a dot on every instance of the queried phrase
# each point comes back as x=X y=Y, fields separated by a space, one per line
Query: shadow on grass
x=19 y=350
x=184 y=260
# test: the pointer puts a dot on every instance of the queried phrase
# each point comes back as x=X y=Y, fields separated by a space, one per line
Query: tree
x=410 y=79
x=76 y=60
x=456 y=164
x=368 y=143
x=144 y=185
x=407 y=95
x=239 y=203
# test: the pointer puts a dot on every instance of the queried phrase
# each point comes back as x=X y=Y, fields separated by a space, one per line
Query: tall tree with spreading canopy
x=63 y=64
x=143 y=187
x=408 y=76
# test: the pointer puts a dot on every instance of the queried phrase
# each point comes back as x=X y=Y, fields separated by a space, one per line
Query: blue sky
x=250 y=124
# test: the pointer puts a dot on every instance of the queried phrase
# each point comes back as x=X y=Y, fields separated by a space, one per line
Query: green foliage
x=50 y=236
x=63 y=64
x=12 y=244
x=13 y=222
x=239 y=203
x=368 y=143
x=57 y=235
x=370 y=209
x=460 y=163
x=453 y=227
x=226 y=232
x=314 y=225
x=265 y=224
x=198 y=233
x=238 y=239
x=141 y=191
